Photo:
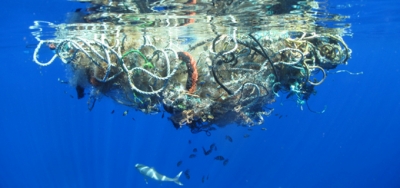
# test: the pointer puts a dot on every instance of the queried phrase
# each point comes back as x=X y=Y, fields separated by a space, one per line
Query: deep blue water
x=48 y=139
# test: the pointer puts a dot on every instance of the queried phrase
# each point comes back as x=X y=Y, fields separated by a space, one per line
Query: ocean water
x=49 y=138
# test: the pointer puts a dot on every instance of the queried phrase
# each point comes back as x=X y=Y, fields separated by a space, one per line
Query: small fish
x=225 y=162
x=125 y=113
x=206 y=152
x=187 y=174
x=246 y=135
x=264 y=129
x=212 y=146
x=192 y=156
x=280 y=116
x=179 y=163
x=190 y=142
x=195 y=150
x=229 y=138
x=207 y=177
x=219 y=158
x=162 y=116
x=71 y=96
x=133 y=119
x=202 y=179
x=112 y=112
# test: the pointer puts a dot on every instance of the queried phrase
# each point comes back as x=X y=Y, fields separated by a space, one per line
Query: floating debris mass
x=205 y=63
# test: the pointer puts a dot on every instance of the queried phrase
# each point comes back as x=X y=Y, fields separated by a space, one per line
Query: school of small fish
x=206 y=152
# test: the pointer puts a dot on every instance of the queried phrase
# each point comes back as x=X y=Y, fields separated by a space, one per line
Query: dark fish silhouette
x=133 y=119
x=190 y=142
x=192 y=156
x=225 y=162
x=215 y=148
x=228 y=138
x=219 y=158
x=187 y=175
x=212 y=146
x=179 y=163
x=162 y=116
x=195 y=150
x=112 y=112
x=206 y=152
x=202 y=179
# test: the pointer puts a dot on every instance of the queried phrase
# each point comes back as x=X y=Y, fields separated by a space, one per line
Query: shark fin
x=176 y=179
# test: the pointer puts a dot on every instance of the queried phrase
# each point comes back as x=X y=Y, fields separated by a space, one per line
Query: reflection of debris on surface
x=228 y=78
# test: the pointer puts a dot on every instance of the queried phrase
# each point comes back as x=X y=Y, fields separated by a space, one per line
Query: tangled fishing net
x=142 y=55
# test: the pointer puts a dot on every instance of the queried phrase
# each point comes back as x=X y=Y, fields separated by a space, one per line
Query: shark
x=152 y=173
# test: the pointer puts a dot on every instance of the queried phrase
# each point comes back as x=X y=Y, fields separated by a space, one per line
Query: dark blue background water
x=48 y=139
